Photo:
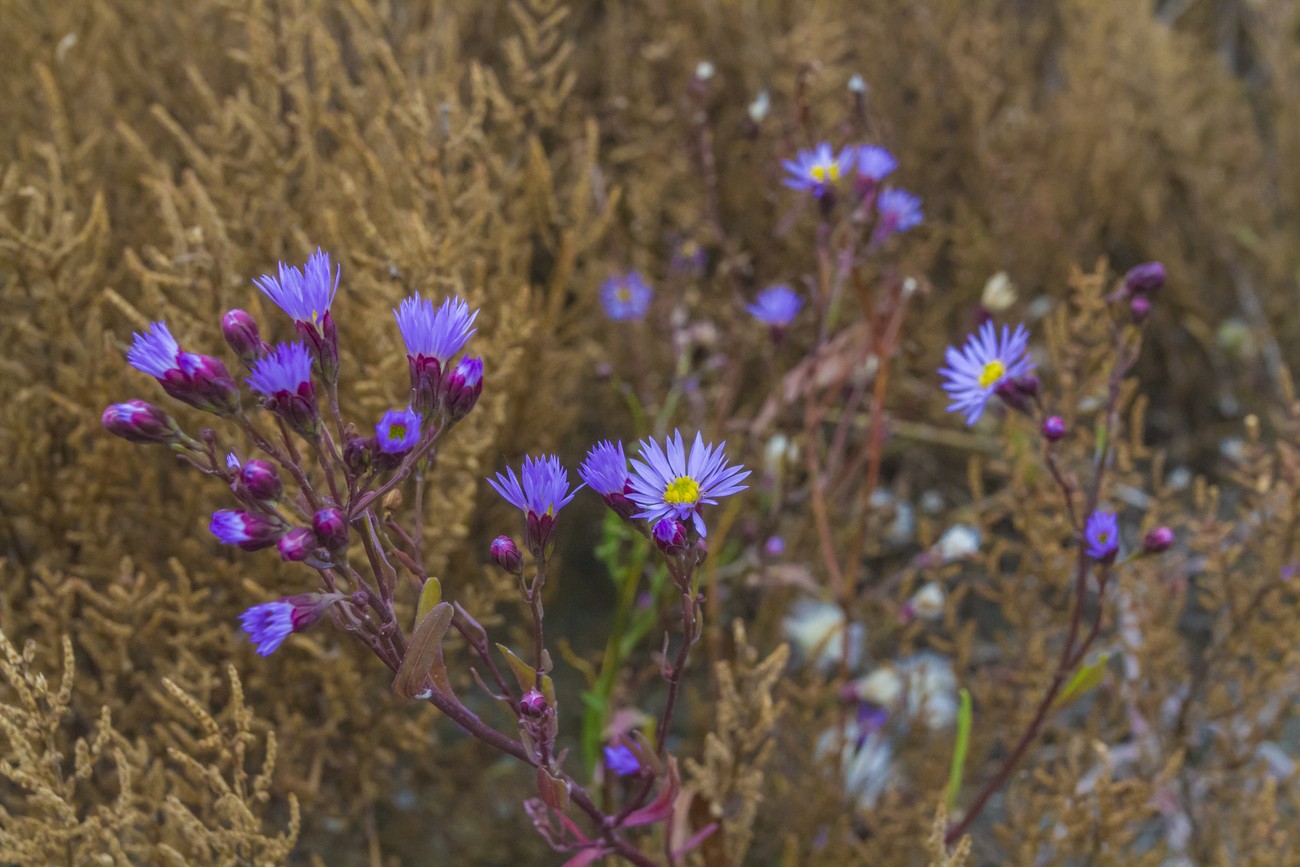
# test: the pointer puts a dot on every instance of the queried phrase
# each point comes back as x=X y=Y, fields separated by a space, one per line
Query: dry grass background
x=155 y=157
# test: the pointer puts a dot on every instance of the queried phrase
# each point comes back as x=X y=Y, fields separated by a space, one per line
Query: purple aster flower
x=1101 y=535
x=248 y=530
x=432 y=335
x=398 y=431
x=626 y=296
x=669 y=484
x=155 y=352
x=541 y=495
x=283 y=377
x=306 y=294
x=270 y=623
x=605 y=472
x=776 y=305
x=199 y=380
x=620 y=759
x=899 y=211
x=982 y=364
x=818 y=169
x=874 y=163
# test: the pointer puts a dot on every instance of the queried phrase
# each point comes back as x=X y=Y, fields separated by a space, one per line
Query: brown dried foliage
x=154 y=158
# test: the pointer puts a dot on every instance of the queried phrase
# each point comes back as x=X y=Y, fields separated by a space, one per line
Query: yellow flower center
x=623 y=294
x=821 y=174
x=397 y=432
x=992 y=372
x=682 y=491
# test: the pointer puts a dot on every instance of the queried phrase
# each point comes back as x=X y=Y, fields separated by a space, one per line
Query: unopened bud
x=331 y=528
x=1144 y=278
x=140 y=422
x=297 y=544
x=259 y=481
x=1140 y=307
x=1054 y=428
x=505 y=553
x=774 y=547
x=241 y=332
x=462 y=387
x=359 y=454
x=670 y=536
x=1159 y=539
x=533 y=704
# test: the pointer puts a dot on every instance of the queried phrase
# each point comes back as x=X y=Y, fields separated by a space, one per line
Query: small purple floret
x=626 y=296
x=777 y=306
x=620 y=759
x=398 y=431
x=1101 y=536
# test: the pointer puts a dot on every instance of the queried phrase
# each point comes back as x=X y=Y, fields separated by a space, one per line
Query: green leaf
x=964 y=716
x=527 y=675
x=430 y=595
x=423 y=660
x=1084 y=679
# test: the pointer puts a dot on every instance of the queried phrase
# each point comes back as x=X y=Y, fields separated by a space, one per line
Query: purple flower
x=670 y=535
x=1159 y=539
x=1101 y=535
x=283 y=377
x=287 y=368
x=331 y=528
x=432 y=335
x=818 y=169
x=435 y=332
x=874 y=163
x=899 y=211
x=669 y=484
x=306 y=295
x=154 y=352
x=605 y=469
x=398 y=431
x=620 y=759
x=626 y=296
x=258 y=480
x=982 y=364
x=242 y=335
x=776 y=305
x=541 y=495
x=270 y=623
x=248 y=530
x=505 y=553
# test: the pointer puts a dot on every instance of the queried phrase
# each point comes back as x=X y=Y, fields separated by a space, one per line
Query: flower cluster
x=822 y=172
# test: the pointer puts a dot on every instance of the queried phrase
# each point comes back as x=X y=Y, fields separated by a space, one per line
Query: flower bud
x=241 y=332
x=533 y=704
x=259 y=481
x=774 y=547
x=670 y=536
x=140 y=422
x=249 y=530
x=331 y=528
x=1054 y=428
x=1140 y=306
x=1144 y=279
x=1159 y=539
x=297 y=544
x=204 y=383
x=359 y=454
x=462 y=387
x=505 y=553
x=927 y=604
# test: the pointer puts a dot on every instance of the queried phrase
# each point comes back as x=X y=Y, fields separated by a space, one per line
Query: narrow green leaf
x=527 y=675
x=1084 y=679
x=430 y=595
x=964 y=715
x=423 y=659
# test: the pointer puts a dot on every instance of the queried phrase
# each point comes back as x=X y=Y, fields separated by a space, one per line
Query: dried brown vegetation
x=155 y=157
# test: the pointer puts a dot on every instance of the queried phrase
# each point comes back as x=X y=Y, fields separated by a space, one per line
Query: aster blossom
x=543 y=491
x=304 y=294
x=270 y=623
x=1101 y=536
x=398 y=431
x=140 y=422
x=626 y=296
x=899 y=211
x=283 y=377
x=198 y=380
x=667 y=483
x=776 y=305
x=248 y=530
x=432 y=336
x=874 y=163
x=620 y=759
x=605 y=472
x=984 y=363
x=818 y=169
